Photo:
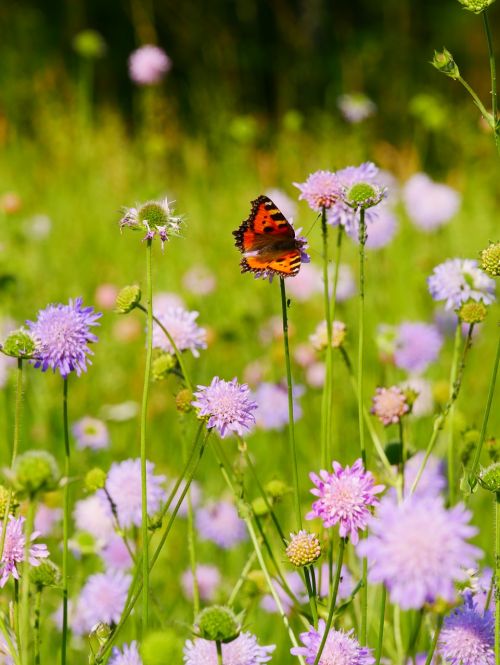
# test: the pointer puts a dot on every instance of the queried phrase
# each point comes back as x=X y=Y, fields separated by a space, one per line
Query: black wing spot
x=268 y=229
x=278 y=217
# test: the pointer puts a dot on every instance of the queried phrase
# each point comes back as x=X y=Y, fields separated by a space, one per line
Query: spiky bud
x=20 y=344
x=304 y=548
x=472 y=312
x=128 y=298
x=4 y=501
x=217 y=623
x=162 y=365
x=95 y=479
x=490 y=259
x=443 y=62
x=47 y=574
x=35 y=471
x=476 y=6
x=489 y=478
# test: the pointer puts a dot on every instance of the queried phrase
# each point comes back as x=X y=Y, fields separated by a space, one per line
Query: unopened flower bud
x=35 y=471
x=443 y=62
x=490 y=259
x=217 y=623
x=95 y=479
x=304 y=548
x=162 y=365
x=259 y=507
x=47 y=574
x=476 y=6
x=89 y=44
x=183 y=400
x=276 y=489
x=128 y=298
x=489 y=478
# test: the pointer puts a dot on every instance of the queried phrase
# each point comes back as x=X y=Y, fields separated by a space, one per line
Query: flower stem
x=403 y=456
x=291 y=426
x=192 y=552
x=144 y=411
x=25 y=581
x=362 y=241
x=310 y=592
x=241 y=579
x=493 y=75
x=38 y=604
x=380 y=640
x=497 y=578
x=451 y=441
x=333 y=307
x=326 y=403
x=437 y=632
x=333 y=600
x=218 y=644
x=64 y=638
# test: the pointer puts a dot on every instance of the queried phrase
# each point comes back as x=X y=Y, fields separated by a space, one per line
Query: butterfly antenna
x=306 y=235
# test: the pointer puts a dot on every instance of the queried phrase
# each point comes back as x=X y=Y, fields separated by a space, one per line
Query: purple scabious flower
x=208 y=579
x=181 y=325
x=341 y=648
x=102 y=599
x=123 y=484
x=148 y=65
x=356 y=107
x=345 y=497
x=457 y=280
x=91 y=433
x=46 y=519
x=115 y=554
x=432 y=481
x=429 y=204
x=127 y=655
x=228 y=406
x=468 y=636
x=320 y=190
x=417 y=345
x=382 y=229
x=389 y=405
x=220 y=523
x=13 y=550
x=272 y=405
x=244 y=650
x=419 y=549
x=94 y=516
x=63 y=333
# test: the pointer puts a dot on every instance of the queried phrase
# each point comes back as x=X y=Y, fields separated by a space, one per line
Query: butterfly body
x=268 y=241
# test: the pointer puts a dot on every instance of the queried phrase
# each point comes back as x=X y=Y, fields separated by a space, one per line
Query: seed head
x=47 y=574
x=476 y=6
x=20 y=344
x=363 y=195
x=304 y=548
x=162 y=366
x=217 y=623
x=489 y=478
x=490 y=259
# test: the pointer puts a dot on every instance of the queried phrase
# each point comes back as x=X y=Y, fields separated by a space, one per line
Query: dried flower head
x=303 y=549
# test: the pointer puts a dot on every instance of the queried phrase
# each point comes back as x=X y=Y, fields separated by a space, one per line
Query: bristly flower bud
x=95 y=479
x=4 y=500
x=304 y=548
x=127 y=299
x=472 y=311
x=20 y=344
x=489 y=478
x=490 y=259
x=476 y=6
x=183 y=400
x=34 y=471
x=162 y=366
x=47 y=574
x=218 y=623
x=443 y=62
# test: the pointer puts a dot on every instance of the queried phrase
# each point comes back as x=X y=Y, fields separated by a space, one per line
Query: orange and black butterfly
x=268 y=242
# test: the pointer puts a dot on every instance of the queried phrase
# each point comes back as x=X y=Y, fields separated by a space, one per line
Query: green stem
x=333 y=307
x=430 y=653
x=362 y=241
x=380 y=640
x=64 y=637
x=291 y=425
x=192 y=554
x=451 y=428
x=25 y=581
x=144 y=413
x=493 y=75
x=333 y=600
x=487 y=116
x=219 y=652
x=398 y=637
x=11 y=644
x=38 y=604
x=241 y=579
x=497 y=578
x=326 y=403
x=310 y=592
x=17 y=627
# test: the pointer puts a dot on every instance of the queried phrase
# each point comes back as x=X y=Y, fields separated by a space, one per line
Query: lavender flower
x=115 y=554
x=102 y=599
x=228 y=406
x=148 y=65
x=272 y=405
x=309 y=282
x=356 y=107
x=94 y=516
x=345 y=497
x=182 y=327
x=389 y=405
x=63 y=334
x=418 y=549
x=156 y=218
x=320 y=190
x=13 y=550
x=417 y=345
x=383 y=227
x=46 y=518
x=123 y=485
x=208 y=579
x=341 y=648
x=432 y=481
x=457 y=280
x=429 y=204
x=195 y=493
x=91 y=433
x=244 y=650
x=467 y=636
x=220 y=523
x=128 y=655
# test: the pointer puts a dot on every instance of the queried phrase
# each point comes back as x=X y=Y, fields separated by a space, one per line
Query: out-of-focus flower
x=148 y=65
x=228 y=406
x=63 y=334
x=319 y=338
x=183 y=329
x=38 y=227
x=89 y=44
x=296 y=585
x=46 y=518
x=272 y=405
x=417 y=345
x=244 y=650
x=429 y=204
x=199 y=280
x=115 y=554
x=91 y=433
x=344 y=497
x=127 y=655
x=382 y=229
x=315 y=375
x=356 y=107
x=346 y=584
x=415 y=567
x=320 y=190
x=105 y=296
x=195 y=493
x=208 y=579
x=220 y=523
x=13 y=550
x=341 y=648
x=457 y=280
x=389 y=405
x=94 y=516
x=102 y=599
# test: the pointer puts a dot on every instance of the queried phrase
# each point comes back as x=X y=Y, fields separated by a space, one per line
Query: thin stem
x=326 y=403
x=16 y=616
x=64 y=637
x=497 y=578
x=362 y=241
x=487 y=116
x=192 y=553
x=38 y=604
x=241 y=579
x=402 y=452
x=333 y=600
x=144 y=414
x=398 y=637
x=311 y=594
x=380 y=640
x=25 y=581
x=219 y=652
x=291 y=425
x=493 y=74
x=451 y=438
x=333 y=307
x=437 y=632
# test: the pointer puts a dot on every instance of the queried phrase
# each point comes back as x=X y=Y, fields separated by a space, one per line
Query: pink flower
x=148 y=65
x=13 y=551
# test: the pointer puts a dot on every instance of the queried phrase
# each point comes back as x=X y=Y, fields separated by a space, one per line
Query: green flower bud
x=443 y=62
x=304 y=549
x=276 y=489
x=35 y=471
x=4 y=500
x=89 y=44
x=489 y=478
x=217 y=623
x=472 y=312
x=255 y=584
x=47 y=574
x=127 y=299
x=158 y=643
x=162 y=365
x=476 y=6
x=183 y=400
x=20 y=344
x=99 y=636
x=95 y=479
x=490 y=259
x=259 y=507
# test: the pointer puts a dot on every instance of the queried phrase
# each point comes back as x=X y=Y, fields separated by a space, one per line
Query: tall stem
x=219 y=652
x=64 y=638
x=380 y=640
x=326 y=403
x=38 y=604
x=435 y=639
x=291 y=425
x=497 y=578
x=333 y=600
x=451 y=432
x=493 y=74
x=192 y=549
x=144 y=414
x=362 y=241
x=333 y=307
x=25 y=581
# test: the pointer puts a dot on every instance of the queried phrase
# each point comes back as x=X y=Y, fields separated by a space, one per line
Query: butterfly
x=268 y=242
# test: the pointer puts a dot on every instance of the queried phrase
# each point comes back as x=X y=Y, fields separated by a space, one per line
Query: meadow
x=69 y=177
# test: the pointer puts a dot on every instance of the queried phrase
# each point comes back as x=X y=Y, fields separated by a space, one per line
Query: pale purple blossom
x=199 y=280
x=102 y=599
x=356 y=107
x=341 y=648
x=208 y=578
x=91 y=433
x=115 y=554
x=127 y=655
x=244 y=650
x=419 y=549
x=148 y=65
x=429 y=204
x=62 y=333
x=457 y=280
x=320 y=190
x=272 y=405
x=346 y=497
x=13 y=550
x=182 y=327
x=309 y=282
x=220 y=523
x=381 y=230
x=432 y=481
x=417 y=345
x=316 y=374
x=389 y=405
x=93 y=515
x=46 y=519
x=228 y=406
